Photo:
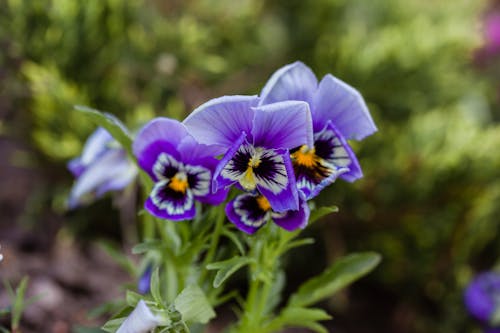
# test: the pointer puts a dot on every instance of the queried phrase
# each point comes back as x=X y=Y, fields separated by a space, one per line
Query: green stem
x=219 y=222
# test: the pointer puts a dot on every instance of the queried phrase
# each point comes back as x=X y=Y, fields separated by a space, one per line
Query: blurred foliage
x=428 y=201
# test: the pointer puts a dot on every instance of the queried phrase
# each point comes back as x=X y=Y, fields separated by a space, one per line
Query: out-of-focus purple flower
x=256 y=142
x=181 y=168
x=249 y=212
x=145 y=280
x=492 y=330
x=140 y=320
x=482 y=296
x=338 y=113
x=102 y=167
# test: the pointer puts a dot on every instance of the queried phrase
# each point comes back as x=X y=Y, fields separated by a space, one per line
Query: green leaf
x=194 y=305
x=18 y=306
x=298 y=243
x=299 y=317
x=149 y=245
x=132 y=298
x=342 y=273
x=113 y=324
x=155 y=285
x=227 y=268
x=110 y=123
x=318 y=213
x=235 y=239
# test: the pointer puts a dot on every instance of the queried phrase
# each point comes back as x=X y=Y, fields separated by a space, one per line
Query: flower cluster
x=280 y=149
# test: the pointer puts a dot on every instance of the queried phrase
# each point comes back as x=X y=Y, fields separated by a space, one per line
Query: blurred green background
x=430 y=198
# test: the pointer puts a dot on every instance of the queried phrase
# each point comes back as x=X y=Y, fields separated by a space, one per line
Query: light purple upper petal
x=292 y=82
x=294 y=219
x=344 y=106
x=283 y=125
x=289 y=197
x=159 y=129
x=191 y=151
x=221 y=121
x=124 y=174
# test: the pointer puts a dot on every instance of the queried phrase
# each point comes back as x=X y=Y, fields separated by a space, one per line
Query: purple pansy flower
x=482 y=296
x=255 y=141
x=250 y=211
x=338 y=113
x=102 y=167
x=181 y=168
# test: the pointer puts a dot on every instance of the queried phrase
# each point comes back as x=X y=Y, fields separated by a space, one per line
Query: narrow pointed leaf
x=342 y=273
x=227 y=268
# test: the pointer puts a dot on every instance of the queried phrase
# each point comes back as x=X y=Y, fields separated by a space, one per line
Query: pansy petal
x=337 y=101
x=141 y=320
x=166 y=203
x=76 y=167
x=149 y=156
x=338 y=152
x=287 y=198
x=96 y=144
x=191 y=151
x=246 y=214
x=293 y=219
x=292 y=82
x=158 y=130
x=124 y=174
x=222 y=120
x=223 y=175
x=98 y=173
x=282 y=125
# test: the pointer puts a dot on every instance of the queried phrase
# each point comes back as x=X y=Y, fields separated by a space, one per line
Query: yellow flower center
x=263 y=203
x=179 y=182
x=305 y=156
x=248 y=181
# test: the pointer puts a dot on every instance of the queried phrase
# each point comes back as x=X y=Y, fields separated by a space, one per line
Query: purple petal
x=344 y=106
x=124 y=174
x=158 y=130
x=144 y=282
x=191 y=151
x=200 y=181
x=96 y=144
x=76 y=167
x=283 y=125
x=287 y=198
x=165 y=207
x=292 y=82
x=480 y=295
x=105 y=169
x=294 y=219
x=149 y=156
x=245 y=213
x=221 y=121
x=342 y=154
x=219 y=181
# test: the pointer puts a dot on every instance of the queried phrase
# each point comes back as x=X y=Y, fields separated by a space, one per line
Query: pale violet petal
x=292 y=82
x=337 y=101
x=283 y=125
x=221 y=121
x=96 y=144
x=140 y=320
